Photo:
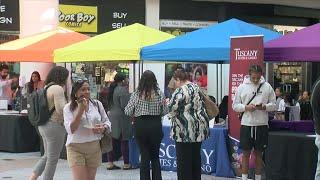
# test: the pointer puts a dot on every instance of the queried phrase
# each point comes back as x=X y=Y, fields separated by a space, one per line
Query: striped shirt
x=139 y=106
x=190 y=122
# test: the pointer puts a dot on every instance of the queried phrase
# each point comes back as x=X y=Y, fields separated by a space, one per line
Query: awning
x=40 y=47
x=302 y=45
x=121 y=44
x=211 y=44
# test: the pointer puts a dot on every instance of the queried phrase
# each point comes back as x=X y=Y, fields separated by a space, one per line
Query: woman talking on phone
x=85 y=121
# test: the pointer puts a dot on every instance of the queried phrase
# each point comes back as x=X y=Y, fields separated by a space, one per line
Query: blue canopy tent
x=207 y=45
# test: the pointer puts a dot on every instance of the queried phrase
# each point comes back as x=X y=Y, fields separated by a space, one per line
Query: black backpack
x=37 y=106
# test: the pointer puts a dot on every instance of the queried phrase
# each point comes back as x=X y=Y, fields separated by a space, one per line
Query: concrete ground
x=18 y=166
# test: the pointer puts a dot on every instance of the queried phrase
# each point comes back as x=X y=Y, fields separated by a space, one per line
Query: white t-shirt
x=283 y=105
x=92 y=116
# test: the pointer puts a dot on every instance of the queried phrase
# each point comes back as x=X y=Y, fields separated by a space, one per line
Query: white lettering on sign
x=207 y=155
x=119 y=15
x=2 y=8
x=246 y=54
x=206 y=168
x=5 y=20
x=168 y=159
x=118 y=25
x=166 y=151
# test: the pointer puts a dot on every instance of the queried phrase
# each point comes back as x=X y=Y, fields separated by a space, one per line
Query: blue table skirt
x=214 y=153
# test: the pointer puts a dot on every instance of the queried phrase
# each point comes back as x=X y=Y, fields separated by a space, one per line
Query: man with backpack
x=254 y=99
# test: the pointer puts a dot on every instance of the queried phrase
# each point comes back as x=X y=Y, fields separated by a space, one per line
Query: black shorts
x=253 y=137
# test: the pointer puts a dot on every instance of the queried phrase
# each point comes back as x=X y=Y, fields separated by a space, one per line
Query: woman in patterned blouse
x=147 y=105
x=189 y=126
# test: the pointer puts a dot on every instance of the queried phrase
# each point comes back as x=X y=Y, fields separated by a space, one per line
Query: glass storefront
x=288 y=76
x=99 y=74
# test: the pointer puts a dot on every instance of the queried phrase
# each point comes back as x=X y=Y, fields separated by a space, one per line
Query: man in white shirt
x=5 y=85
x=254 y=122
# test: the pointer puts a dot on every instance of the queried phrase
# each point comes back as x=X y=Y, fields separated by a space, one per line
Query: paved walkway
x=18 y=166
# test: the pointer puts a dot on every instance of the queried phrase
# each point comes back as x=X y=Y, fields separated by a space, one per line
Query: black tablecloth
x=291 y=156
x=17 y=134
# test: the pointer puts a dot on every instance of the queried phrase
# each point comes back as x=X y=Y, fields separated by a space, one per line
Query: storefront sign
x=9 y=15
x=116 y=14
x=245 y=51
x=185 y=23
x=78 y=18
x=181 y=27
x=286 y=29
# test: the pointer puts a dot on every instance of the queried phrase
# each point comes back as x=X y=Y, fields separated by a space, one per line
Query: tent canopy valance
x=211 y=44
x=302 y=45
x=40 y=47
x=121 y=44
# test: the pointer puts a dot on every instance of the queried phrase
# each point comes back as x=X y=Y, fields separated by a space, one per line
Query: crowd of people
x=288 y=108
x=123 y=115
x=85 y=121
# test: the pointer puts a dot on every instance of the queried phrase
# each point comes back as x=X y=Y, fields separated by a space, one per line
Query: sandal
x=126 y=167
x=113 y=167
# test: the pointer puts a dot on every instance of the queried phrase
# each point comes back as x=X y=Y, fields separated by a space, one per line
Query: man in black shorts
x=254 y=98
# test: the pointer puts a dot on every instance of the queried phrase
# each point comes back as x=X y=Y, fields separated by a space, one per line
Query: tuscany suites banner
x=245 y=51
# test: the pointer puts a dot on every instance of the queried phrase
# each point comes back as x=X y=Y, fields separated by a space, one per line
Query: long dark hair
x=75 y=87
x=181 y=74
x=57 y=75
x=118 y=78
x=147 y=84
x=31 y=83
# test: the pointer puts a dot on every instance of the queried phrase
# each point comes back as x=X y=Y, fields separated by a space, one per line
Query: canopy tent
x=40 y=47
x=302 y=45
x=209 y=44
x=121 y=44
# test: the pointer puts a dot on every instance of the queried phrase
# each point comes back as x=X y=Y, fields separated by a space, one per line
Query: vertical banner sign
x=244 y=51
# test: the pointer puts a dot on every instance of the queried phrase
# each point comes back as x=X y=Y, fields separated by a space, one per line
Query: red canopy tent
x=40 y=47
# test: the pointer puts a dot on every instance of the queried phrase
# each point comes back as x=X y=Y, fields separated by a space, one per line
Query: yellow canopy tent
x=121 y=44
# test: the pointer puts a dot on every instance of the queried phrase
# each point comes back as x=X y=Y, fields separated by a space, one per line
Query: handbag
x=211 y=107
x=106 y=139
x=106 y=143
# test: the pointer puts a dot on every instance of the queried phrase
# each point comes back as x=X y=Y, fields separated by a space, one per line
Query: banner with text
x=214 y=153
x=244 y=52
x=9 y=15
x=119 y=13
x=79 y=18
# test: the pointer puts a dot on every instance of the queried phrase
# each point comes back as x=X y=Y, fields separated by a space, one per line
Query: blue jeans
x=317 y=142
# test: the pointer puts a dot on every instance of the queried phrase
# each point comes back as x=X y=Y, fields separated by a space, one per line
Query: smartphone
x=80 y=99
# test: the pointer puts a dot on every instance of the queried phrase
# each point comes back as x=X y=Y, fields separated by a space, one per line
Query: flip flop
x=114 y=167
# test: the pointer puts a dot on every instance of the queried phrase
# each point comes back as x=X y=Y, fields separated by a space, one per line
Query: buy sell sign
x=78 y=18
